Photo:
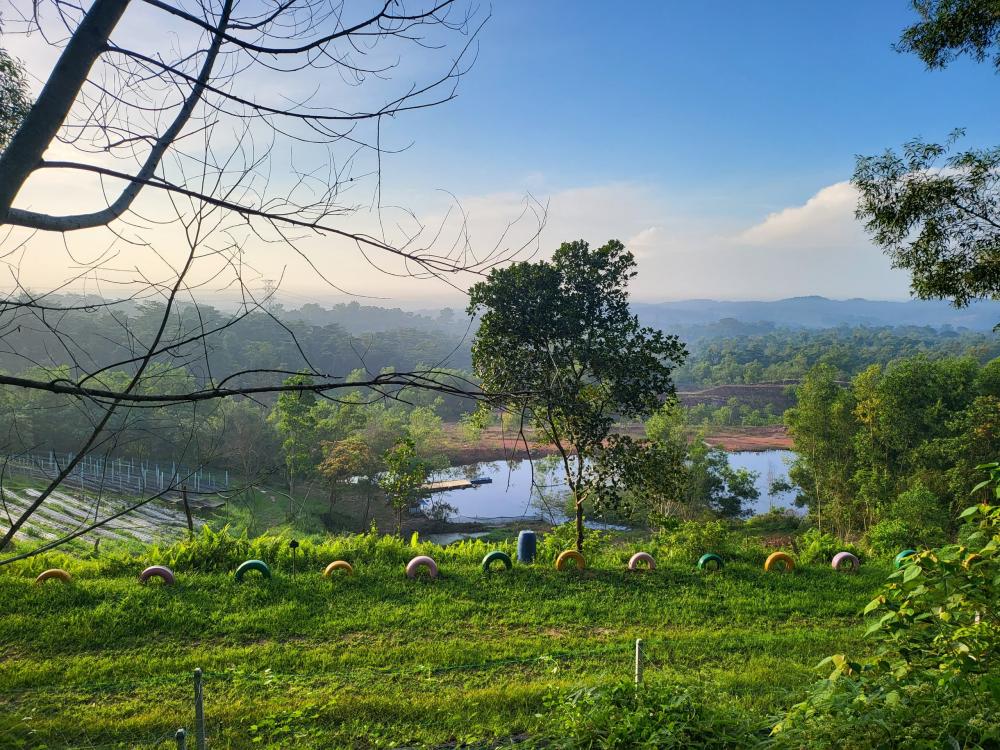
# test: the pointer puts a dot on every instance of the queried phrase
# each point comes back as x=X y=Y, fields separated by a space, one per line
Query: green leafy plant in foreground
x=935 y=676
x=655 y=717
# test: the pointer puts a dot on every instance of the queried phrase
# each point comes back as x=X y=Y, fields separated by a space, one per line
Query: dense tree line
x=893 y=452
x=787 y=354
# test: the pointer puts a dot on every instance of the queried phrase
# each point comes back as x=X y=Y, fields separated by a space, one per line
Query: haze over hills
x=821 y=312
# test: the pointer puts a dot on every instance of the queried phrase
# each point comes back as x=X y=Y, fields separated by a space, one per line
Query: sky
x=717 y=140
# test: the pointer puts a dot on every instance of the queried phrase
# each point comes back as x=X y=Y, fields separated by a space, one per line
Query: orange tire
x=570 y=554
x=57 y=573
x=787 y=563
x=339 y=565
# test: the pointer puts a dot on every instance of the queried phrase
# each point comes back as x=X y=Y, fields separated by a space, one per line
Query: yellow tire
x=339 y=565
x=787 y=563
x=56 y=573
x=570 y=554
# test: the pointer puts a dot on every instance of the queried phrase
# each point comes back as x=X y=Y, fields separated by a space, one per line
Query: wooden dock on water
x=454 y=484
x=447 y=484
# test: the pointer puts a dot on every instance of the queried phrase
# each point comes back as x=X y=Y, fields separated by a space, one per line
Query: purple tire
x=158 y=571
x=845 y=562
x=414 y=565
x=638 y=557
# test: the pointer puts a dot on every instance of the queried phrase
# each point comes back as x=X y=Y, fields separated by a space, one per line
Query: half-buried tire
x=158 y=571
x=779 y=561
x=496 y=556
x=710 y=561
x=571 y=554
x=58 y=573
x=339 y=565
x=641 y=557
x=901 y=558
x=259 y=565
x=845 y=562
x=421 y=561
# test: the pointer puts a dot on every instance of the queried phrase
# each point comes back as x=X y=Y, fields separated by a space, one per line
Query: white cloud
x=827 y=218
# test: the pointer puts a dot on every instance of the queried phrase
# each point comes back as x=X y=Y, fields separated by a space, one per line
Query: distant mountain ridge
x=821 y=312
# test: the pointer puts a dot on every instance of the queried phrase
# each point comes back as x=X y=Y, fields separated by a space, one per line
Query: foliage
x=404 y=474
x=703 y=481
x=558 y=341
x=889 y=537
x=296 y=423
x=716 y=486
x=660 y=716
x=950 y=28
x=898 y=443
x=687 y=541
x=817 y=546
x=937 y=641
x=935 y=214
x=15 y=100
x=630 y=478
x=780 y=355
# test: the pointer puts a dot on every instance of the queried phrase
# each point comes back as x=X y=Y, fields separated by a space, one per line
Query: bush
x=655 y=717
x=692 y=539
x=935 y=678
x=821 y=546
x=886 y=538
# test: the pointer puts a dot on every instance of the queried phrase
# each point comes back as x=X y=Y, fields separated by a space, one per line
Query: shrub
x=692 y=539
x=563 y=537
x=821 y=546
x=888 y=537
x=655 y=717
x=935 y=678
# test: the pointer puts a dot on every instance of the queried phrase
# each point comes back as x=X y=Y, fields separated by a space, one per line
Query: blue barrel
x=526 y=544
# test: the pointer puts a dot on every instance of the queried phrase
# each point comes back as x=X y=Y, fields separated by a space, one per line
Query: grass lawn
x=377 y=660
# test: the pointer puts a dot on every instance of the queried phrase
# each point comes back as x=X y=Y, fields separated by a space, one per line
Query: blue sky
x=718 y=137
x=770 y=97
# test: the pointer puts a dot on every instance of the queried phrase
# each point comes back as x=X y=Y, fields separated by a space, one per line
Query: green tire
x=258 y=565
x=711 y=557
x=901 y=558
x=493 y=557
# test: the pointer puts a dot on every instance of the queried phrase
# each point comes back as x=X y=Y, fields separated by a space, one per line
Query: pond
x=522 y=490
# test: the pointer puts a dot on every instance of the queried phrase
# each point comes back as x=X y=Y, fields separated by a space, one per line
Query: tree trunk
x=25 y=151
x=579 y=526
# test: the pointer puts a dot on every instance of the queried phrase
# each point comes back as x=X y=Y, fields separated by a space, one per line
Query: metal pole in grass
x=638 y=662
x=199 y=712
x=181 y=737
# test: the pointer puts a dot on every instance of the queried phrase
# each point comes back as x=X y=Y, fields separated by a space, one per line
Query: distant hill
x=820 y=312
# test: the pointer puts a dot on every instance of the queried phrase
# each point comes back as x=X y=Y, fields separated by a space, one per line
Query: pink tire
x=845 y=562
x=158 y=571
x=640 y=557
x=413 y=567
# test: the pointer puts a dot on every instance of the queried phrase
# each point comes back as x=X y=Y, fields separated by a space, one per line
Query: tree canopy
x=935 y=212
x=558 y=343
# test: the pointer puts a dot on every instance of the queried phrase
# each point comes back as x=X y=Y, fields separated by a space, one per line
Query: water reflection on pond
x=522 y=491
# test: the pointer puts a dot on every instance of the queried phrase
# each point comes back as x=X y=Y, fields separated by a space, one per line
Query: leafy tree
x=936 y=212
x=823 y=425
x=14 y=99
x=404 y=475
x=296 y=423
x=557 y=341
x=634 y=479
x=342 y=460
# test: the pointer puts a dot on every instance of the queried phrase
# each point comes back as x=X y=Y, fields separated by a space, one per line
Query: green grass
x=377 y=660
